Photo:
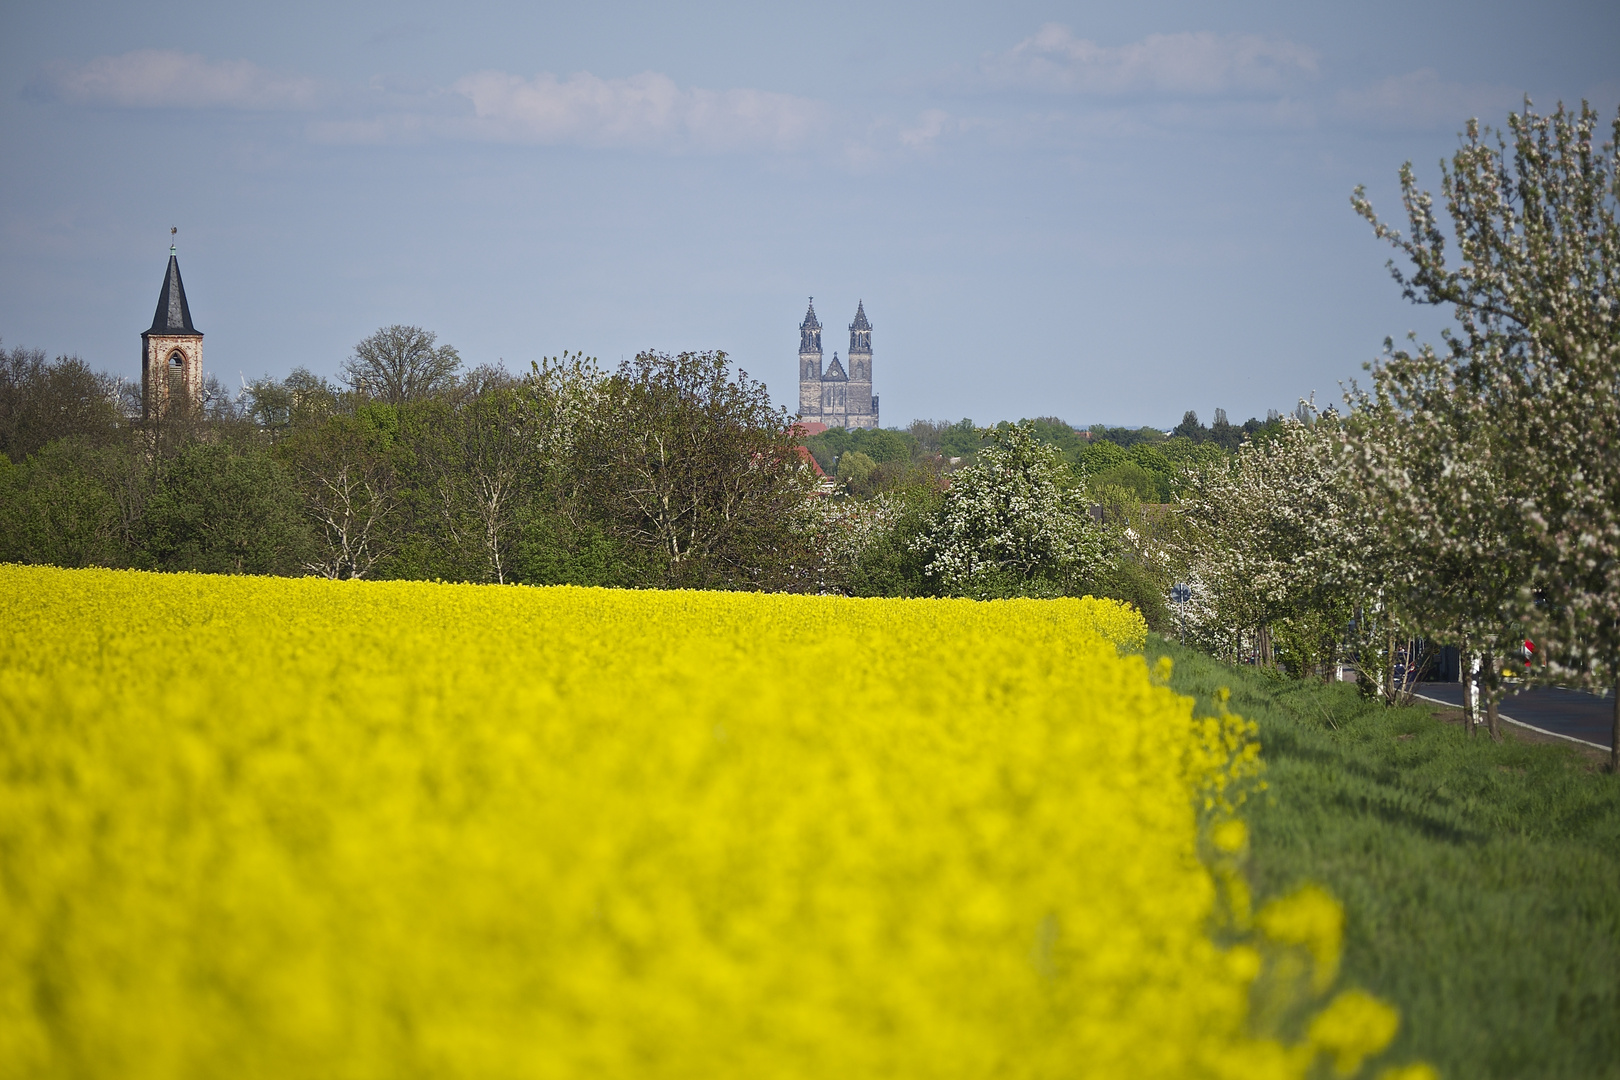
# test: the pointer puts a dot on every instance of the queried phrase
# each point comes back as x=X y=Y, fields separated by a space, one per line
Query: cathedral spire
x=860 y=331
x=810 y=334
x=860 y=322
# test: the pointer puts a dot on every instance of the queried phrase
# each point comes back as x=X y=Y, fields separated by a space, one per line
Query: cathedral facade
x=836 y=396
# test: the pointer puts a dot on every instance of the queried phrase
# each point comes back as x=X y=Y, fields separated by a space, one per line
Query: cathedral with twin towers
x=834 y=396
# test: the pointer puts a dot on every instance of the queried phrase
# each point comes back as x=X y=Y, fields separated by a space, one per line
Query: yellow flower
x=1416 y=1071
x=1354 y=1026
x=1311 y=918
x=1230 y=836
x=279 y=827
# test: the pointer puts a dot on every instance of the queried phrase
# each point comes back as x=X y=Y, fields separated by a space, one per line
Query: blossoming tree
x=1536 y=295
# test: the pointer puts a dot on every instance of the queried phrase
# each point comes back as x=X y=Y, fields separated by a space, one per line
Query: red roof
x=807 y=456
x=810 y=427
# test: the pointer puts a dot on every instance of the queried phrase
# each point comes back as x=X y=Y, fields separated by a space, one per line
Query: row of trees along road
x=1470 y=494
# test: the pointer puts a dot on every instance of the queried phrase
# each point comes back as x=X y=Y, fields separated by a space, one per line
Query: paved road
x=1563 y=712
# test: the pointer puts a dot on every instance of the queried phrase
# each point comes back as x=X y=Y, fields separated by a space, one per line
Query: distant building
x=836 y=397
x=171 y=351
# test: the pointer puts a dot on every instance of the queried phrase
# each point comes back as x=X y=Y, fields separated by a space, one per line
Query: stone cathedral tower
x=860 y=369
x=810 y=364
x=837 y=397
x=171 y=351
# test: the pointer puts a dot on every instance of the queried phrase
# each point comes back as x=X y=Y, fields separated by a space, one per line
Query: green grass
x=1481 y=881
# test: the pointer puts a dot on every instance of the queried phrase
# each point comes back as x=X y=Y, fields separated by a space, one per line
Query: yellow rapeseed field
x=255 y=827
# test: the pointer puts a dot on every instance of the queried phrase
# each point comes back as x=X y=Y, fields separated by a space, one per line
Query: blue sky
x=1107 y=212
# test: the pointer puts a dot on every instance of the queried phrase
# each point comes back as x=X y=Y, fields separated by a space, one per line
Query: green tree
x=1059 y=434
x=696 y=468
x=1103 y=455
x=883 y=549
x=552 y=546
x=560 y=539
x=856 y=470
x=961 y=439
x=43 y=400
x=1127 y=476
x=881 y=445
x=1224 y=433
x=1012 y=524
x=346 y=472
x=220 y=509
x=1131 y=581
x=479 y=456
x=886 y=447
x=1191 y=428
x=401 y=364
x=1125 y=437
x=57 y=507
x=303 y=399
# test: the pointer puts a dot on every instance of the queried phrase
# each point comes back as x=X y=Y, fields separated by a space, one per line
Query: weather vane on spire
x=172 y=230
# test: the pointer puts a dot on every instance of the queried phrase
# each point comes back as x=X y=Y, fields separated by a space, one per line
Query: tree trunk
x=1389 y=666
x=1614 y=732
x=1492 y=686
x=1465 y=673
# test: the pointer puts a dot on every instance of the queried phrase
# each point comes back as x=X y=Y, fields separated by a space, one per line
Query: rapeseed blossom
x=263 y=827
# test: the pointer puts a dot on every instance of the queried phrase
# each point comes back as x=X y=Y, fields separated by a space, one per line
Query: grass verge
x=1480 y=881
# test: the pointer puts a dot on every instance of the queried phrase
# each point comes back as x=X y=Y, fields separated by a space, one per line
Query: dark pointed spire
x=173 y=313
x=810 y=334
x=860 y=332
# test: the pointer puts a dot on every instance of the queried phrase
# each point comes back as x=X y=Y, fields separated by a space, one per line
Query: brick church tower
x=837 y=397
x=171 y=351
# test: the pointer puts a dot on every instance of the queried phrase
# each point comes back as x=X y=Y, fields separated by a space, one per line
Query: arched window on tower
x=177 y=376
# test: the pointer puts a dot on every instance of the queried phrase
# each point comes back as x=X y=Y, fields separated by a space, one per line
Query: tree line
x=669 y=470
x=1468 y=495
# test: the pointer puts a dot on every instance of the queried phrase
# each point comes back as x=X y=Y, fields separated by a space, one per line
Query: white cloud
x=1422 y=100
x=931 y=124
x=1187 y=63
x=646 y=110
x=158 y=78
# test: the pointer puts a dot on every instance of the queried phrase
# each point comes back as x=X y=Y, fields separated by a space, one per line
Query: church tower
x=810 y=364
x=862 y=405
x=171 y=351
